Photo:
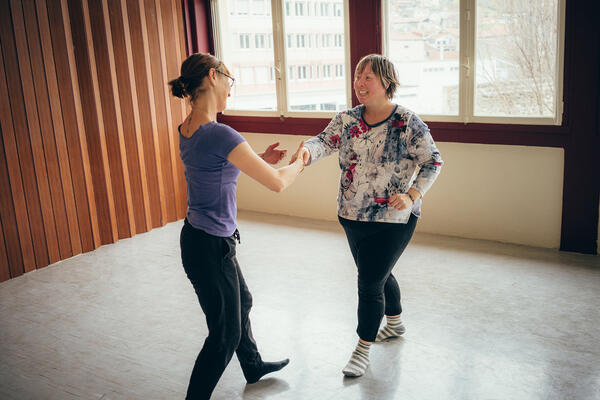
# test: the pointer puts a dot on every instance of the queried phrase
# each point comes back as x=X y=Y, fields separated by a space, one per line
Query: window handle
x=467 y=66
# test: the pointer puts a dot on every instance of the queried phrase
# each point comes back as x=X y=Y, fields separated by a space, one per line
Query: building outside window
x=259 y=41
x=510 y=70
x=244 y=41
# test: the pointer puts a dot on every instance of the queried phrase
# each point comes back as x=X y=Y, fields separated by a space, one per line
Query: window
x=327 y=107
x=338 y=9
x=303 y=94
x=515 y=59
x=259 y=41
x=338 y=40
x=302 y=72
x=509 y=51
x=255 y=83
x=288 y=86
x=244 y=41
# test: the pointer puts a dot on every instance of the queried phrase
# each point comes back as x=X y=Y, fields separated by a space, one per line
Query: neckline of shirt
x=362 y=110
x=203 y=126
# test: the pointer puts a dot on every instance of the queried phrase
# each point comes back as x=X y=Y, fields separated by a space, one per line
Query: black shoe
x=265 y=368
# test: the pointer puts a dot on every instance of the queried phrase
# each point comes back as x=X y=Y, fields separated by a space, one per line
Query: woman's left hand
x=272 y=154
x=400 y=201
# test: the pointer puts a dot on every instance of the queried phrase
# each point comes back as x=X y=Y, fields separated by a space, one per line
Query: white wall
x=505 y=193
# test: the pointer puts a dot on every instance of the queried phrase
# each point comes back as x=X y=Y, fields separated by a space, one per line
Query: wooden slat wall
x=89 y=150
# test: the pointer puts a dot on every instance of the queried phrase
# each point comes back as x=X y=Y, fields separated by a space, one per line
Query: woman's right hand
x=400 y=201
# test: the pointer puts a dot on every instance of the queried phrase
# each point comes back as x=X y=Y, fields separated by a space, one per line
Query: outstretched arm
x=243 y=157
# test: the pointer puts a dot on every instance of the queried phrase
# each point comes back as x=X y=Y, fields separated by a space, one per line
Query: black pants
x=376 y=246
x=210 y=264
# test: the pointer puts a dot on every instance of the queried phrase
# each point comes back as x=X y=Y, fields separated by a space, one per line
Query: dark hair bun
x=193 y=71
x=177 y=88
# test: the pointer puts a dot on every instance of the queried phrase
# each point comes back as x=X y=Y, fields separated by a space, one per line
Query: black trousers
x=376 y=246
x=212 y=268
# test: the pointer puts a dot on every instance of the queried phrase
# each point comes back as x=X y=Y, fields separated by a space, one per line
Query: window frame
x=467 y=64
x=280 y=56
x=361 y=12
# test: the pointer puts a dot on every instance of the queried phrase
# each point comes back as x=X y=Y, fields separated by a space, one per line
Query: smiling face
x=368 y=87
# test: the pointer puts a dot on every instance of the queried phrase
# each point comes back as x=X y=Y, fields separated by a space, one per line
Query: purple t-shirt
x=211 y=179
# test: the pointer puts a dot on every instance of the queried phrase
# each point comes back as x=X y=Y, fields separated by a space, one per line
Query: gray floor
x=484 y=321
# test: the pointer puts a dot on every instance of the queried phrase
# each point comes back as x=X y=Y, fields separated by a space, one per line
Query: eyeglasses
x=231 y=78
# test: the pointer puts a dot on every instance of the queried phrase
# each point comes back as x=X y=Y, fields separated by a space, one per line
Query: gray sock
x=359 y=361
x=392 y=329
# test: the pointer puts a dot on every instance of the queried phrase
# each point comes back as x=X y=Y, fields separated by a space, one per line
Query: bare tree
x=521 y=37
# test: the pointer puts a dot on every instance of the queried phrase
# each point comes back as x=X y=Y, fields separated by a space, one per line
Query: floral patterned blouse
x=378 y=161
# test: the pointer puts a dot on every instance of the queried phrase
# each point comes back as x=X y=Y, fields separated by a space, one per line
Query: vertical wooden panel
x=172 y=57
x=130 y=116
x=139 y=40
x=13 y=266
x=169 y=67
x=4 y=270
x=158 y=88
x=55 y=207
x=180 y=46
x=92 y=119
x=68 y=88
x=21 y=128
x=17 y=235
x=89 y=147
x=66 y=184
x=35 y=136
x=111 y=126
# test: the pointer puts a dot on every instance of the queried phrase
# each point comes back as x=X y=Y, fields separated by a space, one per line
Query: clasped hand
x=273 y=155
x=400 y=201
x=302 y=153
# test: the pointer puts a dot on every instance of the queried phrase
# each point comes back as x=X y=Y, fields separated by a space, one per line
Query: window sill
x=458 y=132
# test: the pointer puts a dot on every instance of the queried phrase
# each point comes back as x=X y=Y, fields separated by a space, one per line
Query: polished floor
x=484 y=321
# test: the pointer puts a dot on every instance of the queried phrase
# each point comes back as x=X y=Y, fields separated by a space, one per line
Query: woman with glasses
x=389 y=161
x=213 y=155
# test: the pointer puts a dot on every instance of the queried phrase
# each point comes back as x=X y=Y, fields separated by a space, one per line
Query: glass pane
x=315 y=46
x=516 y=58
x=423 y=45
x=247 y=50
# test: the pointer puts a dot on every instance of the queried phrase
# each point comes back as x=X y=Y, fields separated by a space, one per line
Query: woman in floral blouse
x=389 y=161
